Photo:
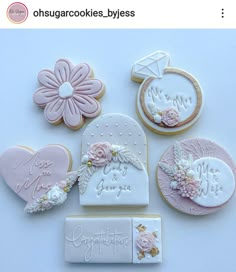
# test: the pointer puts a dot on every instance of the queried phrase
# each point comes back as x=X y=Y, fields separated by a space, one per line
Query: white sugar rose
x=56 y=196
x=157 y=118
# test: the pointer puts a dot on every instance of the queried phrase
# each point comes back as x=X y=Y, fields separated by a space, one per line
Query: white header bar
x=118 y=14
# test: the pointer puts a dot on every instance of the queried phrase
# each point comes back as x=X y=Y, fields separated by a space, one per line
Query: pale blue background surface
x=35 y=243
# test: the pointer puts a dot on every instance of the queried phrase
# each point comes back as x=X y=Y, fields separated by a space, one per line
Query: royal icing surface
x=123 y=178
x=113 y=240
x=172 y=91
x=151 y=65
x=68 y=93
x=217 y=182
x=196 y=176
x=40 y=178
x=147 y=245
x=169 y=99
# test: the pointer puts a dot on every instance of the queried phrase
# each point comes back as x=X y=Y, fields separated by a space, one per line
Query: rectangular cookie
x=121 y=239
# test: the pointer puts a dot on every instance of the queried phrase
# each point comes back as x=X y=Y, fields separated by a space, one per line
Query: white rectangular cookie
x=122 y=239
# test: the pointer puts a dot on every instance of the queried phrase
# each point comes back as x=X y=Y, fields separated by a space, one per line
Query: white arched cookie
x=169 y=100
x=113 y=167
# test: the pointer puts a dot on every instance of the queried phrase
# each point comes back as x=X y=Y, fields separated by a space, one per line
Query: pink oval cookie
x=196 y=176
x=69 y=94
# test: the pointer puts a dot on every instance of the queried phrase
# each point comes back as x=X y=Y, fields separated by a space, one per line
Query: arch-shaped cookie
x=114 y=163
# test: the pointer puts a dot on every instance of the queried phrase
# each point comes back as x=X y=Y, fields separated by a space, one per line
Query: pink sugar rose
x=170 y=117
x=100 y=153
x=145 y=241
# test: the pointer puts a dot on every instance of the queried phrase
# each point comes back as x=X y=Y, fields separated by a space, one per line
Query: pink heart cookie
x=69 y=94
x=40 y=178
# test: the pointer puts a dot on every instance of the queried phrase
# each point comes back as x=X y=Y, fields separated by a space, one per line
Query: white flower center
x=66 y=90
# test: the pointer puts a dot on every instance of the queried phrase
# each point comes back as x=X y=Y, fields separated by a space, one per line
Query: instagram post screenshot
x=117 y=147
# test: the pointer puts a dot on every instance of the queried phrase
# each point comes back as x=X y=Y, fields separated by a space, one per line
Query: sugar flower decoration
x=100 y=154
x=146 y=242
x=181 y=174
x=68 y=93
x=55 y=196
x=169 y=117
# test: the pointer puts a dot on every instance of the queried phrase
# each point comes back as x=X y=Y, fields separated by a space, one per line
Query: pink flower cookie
x=69 y=94
x=196 y=176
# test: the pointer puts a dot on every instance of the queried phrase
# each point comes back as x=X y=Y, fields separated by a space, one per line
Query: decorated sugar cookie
x=169 y=100
x=196 y=176
x=69 y=94
x=122 y=239
x=41 y=178
x=113 y=165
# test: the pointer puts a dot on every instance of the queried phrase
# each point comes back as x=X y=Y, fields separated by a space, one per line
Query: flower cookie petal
x=48 y=79
x=53 y=111
x=79 y=73
x=91 y=87
x=62 y=70
x=88 y=106
x=45 y=95
x=72 y=115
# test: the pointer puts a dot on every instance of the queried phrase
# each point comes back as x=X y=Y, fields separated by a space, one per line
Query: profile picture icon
x=17 y=13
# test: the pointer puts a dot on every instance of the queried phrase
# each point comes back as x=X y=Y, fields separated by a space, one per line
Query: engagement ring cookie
x=40 y=178
x=69 y=94
x=196 y=176
x=113 y=167
x=169 y=99
x=121 y=239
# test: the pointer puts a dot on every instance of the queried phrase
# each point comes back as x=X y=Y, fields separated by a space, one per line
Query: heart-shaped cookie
x=40 y=178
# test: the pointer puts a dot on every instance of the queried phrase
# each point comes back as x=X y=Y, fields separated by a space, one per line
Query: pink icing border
x=199 y=148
